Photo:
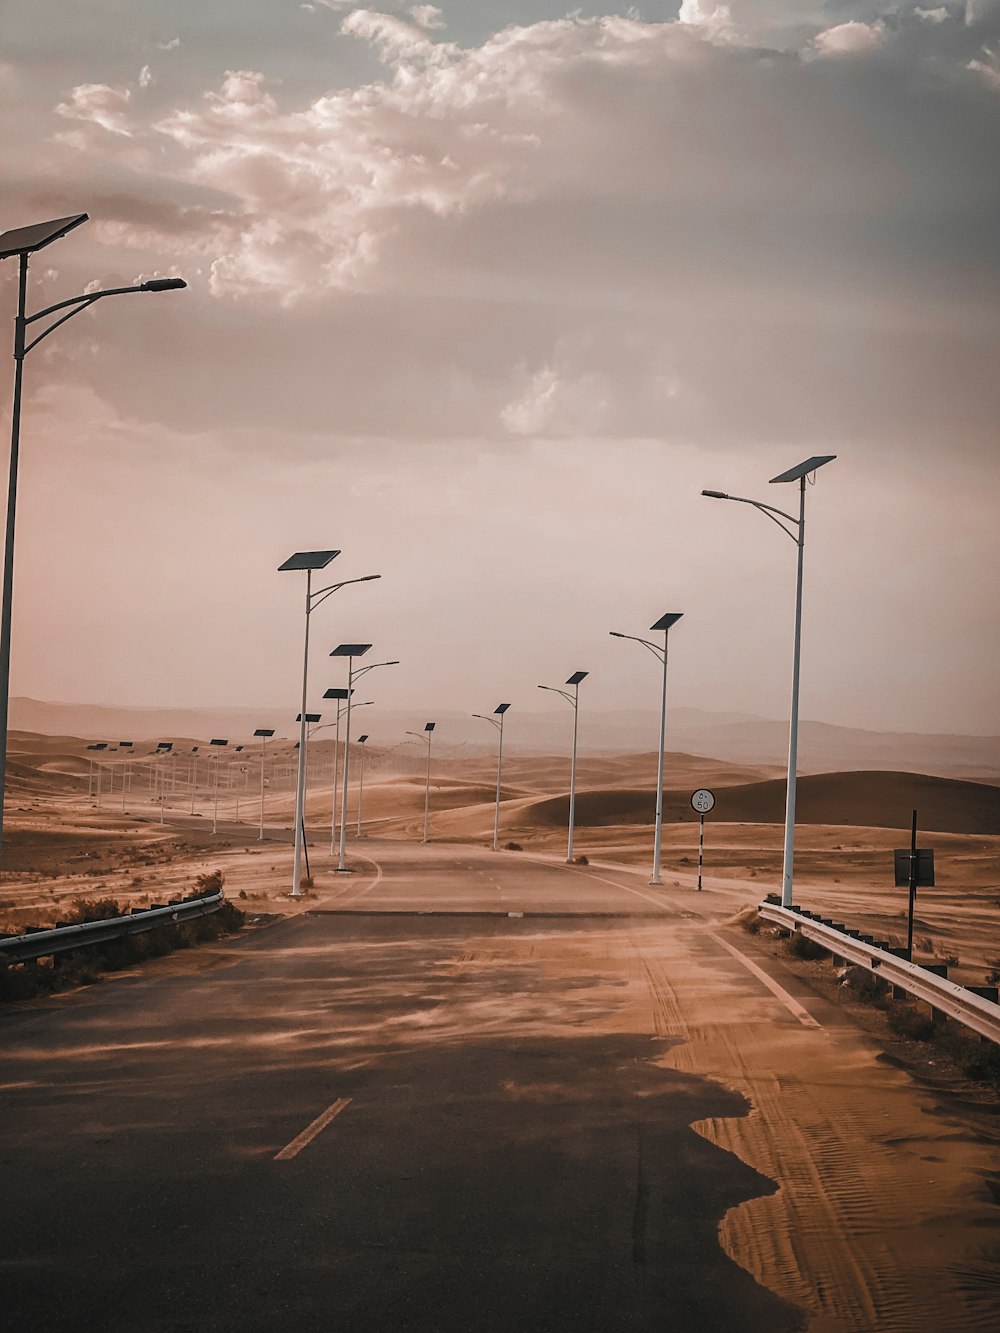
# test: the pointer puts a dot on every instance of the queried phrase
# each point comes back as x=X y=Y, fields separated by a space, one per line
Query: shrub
x=865 y=985
x=581 y=861
x=909 y=1022
x=803 y=947
x=513 y=847
x=94 y=909
x=979 y=1059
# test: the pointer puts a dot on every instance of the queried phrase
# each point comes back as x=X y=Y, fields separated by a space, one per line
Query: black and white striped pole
x=702 y=800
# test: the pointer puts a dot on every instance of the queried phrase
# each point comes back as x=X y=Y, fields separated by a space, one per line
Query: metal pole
x=793 y=728
x=161 y=778
x=701 y=848
x=8 y=550
x=215 y=813
x=336 y=779
x=194 y=780
x=361 y=787
x=913 y=888
x=90 y=780
x=300 y=781
x=100 y=775
x=427 y=786
x=496 y=816
x=341 y=864
x=572 y=775
x=263 y=741
x=658 y=835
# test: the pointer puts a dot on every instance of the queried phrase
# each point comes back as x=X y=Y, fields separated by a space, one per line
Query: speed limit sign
x=703 y=800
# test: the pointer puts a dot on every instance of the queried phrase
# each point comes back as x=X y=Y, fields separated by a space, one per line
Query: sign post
x=913 y=867
x=702 y=800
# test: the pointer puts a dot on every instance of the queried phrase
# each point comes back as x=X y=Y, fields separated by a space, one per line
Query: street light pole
x=664 y=624
x=351 y=651
x=574 y=701
x=309 y=560
x=361 y=779
x=501 y=709
x=22 y=242
x=425 y=735
x=797 y=533
x=263 y=733
x=215 y=812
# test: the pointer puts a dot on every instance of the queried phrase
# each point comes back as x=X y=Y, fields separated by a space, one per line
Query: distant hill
x=733 y=737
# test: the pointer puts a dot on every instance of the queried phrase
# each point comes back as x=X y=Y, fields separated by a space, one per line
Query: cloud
x=427 y=16
x=98 y=104
x=756 y=244
x=145 y=77
x=850 y=39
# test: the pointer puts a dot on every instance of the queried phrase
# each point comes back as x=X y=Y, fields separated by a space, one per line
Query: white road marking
x=790 y=1003
x=589 y=874
x=351 y=888
x=310 y=1131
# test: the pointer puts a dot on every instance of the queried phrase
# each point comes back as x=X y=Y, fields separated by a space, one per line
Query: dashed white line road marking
x=791 y=1004
x=310 y=1131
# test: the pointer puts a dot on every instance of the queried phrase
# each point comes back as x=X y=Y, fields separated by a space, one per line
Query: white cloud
x=98 y=104
x=850 y=39
x=988 y=69
x=427 y=16
x=714 y=20
x=145 y=77
x=172 y=45
x=933 y=15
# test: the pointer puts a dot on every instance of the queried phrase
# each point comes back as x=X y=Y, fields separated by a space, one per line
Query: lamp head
x=162 y=285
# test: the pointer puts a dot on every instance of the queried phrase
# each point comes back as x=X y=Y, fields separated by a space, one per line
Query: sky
x=483 y=295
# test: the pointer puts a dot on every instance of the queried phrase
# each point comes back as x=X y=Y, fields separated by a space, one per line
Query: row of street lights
x=800 y=473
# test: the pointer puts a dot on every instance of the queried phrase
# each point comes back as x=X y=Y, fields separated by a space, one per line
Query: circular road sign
x=703 y=800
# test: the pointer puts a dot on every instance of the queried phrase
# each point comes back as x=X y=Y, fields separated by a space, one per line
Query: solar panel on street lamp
x=308 y=560
x=28 y=240
x=802 y=470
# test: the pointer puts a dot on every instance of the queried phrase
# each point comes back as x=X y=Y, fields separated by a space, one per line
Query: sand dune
x=864 y=799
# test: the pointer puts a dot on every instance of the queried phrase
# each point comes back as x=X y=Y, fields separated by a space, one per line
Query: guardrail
x=42 y=943
x=959 y=1003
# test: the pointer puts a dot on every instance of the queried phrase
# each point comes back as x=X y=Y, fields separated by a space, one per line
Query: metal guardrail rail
x=42 y=943
x=959 y=1003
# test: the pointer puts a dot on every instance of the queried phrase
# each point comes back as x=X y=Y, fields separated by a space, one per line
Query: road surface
x=467 y=1092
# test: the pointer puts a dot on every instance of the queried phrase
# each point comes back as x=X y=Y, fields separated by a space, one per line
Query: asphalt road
x=428 y=1104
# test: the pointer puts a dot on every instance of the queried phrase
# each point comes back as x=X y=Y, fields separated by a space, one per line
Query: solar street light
x=22 y=242
x=264 y=733
x=664 y=623
x=309 y=561
x=215 y=811
x=797 y=532
x=499 y=711
x=361 y=778
x=574 y=701
x=425 y=735
x=351 y=651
